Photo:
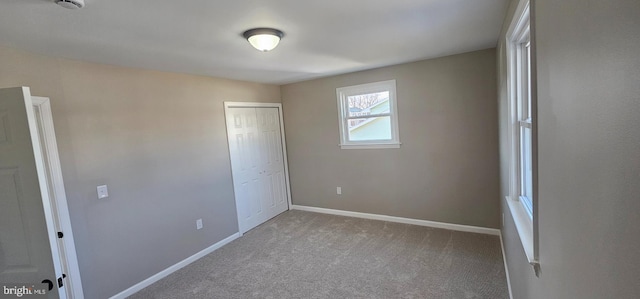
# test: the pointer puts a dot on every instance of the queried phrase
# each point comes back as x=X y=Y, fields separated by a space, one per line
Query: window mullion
x=525 y=123
x=368 y=116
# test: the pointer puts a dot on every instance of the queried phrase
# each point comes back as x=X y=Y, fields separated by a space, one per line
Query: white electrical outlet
x=339 y=190
x=102 y=192
x=199 y=224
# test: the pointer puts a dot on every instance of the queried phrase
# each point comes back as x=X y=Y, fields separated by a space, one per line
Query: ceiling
x=203 y=37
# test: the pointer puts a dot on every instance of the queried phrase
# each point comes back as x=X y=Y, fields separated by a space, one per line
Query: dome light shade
x=71 y=4
x=263 y=39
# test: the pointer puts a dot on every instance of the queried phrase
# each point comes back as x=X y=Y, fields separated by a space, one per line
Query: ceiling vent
x=71 y=4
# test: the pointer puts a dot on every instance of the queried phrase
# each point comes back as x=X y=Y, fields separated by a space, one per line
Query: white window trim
x=521 y=42
x=526 y=225
x=343 y=110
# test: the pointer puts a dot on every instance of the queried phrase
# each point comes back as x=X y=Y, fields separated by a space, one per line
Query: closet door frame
x=227 y=106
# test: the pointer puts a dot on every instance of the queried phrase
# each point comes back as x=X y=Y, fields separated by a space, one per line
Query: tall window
x=522 y=197
x=524 y=123
x=368 y=115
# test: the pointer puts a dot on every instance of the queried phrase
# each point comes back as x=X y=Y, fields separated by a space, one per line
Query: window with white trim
x=368 y=115
x=523 y=65
x=521 y=104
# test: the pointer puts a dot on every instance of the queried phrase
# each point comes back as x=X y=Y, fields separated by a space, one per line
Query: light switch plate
x=339 y=190
x=199 y=224
x=102 y=192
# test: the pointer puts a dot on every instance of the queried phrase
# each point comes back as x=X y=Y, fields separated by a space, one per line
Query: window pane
x=369 y=104
x=528 y=116
x=526 y=169
x=373 y=128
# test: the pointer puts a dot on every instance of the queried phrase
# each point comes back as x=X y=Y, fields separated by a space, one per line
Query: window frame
x=523 y=209
x=342 y=94
x=524 y=117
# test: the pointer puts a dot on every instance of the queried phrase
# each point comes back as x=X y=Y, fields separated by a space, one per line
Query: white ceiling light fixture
x=263 y=39
x=71 y=4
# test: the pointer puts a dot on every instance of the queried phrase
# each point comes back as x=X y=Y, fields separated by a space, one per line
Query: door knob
x=49 y=282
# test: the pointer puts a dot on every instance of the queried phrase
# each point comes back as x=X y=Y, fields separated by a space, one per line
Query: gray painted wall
x=158 y=140
x=447 y=167
x=589 y=152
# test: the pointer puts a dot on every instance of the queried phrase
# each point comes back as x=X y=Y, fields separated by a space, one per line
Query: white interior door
x=272 y=158
x=25 y=247
x=245 y=155
x=258 y=165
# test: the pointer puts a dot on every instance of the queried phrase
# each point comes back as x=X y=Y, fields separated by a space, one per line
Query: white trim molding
x=166 y=272
x=59 y=207
x=524 y=227
x=506 y=267
x=434 y=224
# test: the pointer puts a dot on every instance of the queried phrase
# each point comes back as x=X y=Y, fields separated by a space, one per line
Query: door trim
x=42 y=182
x=60 y=207
x=228 y=105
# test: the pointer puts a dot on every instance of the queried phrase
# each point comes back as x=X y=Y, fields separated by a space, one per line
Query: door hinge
x=60 y=280
x=60 y=235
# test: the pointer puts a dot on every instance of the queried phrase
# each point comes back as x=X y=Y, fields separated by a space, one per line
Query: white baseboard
x=164 y=273
x=506 y=268
x=443 y=225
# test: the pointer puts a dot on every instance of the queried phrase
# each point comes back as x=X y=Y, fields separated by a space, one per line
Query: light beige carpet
x=308 y=255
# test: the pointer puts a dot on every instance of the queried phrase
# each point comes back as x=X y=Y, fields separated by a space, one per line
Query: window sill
x=369 y=146
x=524 y=226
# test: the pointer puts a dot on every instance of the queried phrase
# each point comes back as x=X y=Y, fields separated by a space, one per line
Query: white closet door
x=255 y=145
x=274 y=183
